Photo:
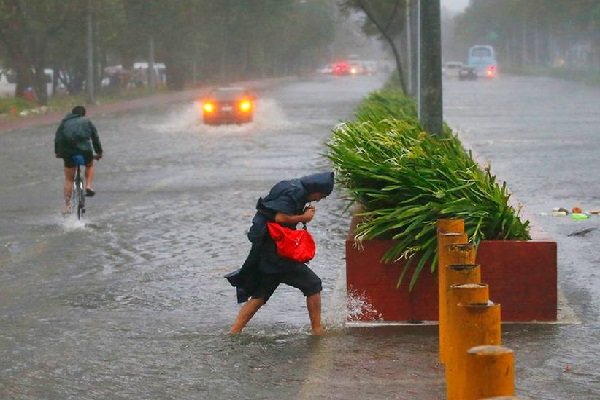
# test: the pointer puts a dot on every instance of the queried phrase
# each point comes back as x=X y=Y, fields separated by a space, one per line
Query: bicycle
x=78 y=195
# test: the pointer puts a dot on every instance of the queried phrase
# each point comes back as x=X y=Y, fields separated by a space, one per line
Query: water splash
x=359 y=308
x=71 y=223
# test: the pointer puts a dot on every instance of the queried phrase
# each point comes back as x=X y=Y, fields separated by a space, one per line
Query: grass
x=15 y=107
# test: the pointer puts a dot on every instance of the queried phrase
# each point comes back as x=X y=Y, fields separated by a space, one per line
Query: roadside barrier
x=453 y=249
x=476 y=366
x=490 y=370
x=469 y=293
x=455 y=274
x=476 y=324
x=449 y=231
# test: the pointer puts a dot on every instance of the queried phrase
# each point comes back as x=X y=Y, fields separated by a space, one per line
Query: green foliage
x=12 y=106
x=405 y=180
x=213 y=40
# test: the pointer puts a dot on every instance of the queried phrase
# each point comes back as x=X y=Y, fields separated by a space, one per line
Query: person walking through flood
x=288 y=203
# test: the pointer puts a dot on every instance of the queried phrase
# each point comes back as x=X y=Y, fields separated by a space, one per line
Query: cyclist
x=77 y=135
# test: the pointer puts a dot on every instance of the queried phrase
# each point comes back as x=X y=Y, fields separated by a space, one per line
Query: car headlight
x=208 y=107
x=245 y=106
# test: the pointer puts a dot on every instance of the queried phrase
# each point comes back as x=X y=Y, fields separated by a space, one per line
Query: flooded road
x=542 y=136
x=132 y=304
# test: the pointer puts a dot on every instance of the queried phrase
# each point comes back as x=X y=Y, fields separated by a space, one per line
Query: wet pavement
x=541 y=136
x=131 y=304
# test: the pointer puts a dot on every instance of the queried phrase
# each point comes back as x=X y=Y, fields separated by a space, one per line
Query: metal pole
x=408 y=49
x=151 y=70
x=431 y=112
x=414 y=44
x=90 y=56
x=418 y=63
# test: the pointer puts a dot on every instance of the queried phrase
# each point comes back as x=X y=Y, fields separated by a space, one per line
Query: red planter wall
x=522 y=277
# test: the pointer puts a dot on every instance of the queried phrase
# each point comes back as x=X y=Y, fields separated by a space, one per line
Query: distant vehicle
x=370 y=67
x=8 y=80
x=466 y=73
x=356 y=68
x=483 y=59
x=325 y=69
x=452 y=68
x=228 y=105
x=341 y=68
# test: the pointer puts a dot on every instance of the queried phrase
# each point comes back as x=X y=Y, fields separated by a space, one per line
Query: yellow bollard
x=468 y=293
x=455 y=274
x=475 y=324
x=450 y=225
x=501 y=398
x=490 y=372
x=463 y=293
x=444 y=240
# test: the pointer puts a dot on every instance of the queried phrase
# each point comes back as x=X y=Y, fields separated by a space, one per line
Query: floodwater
x=131 y=304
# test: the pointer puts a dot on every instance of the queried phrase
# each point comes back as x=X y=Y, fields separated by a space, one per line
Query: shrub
x=12 y=106
x=405 y=180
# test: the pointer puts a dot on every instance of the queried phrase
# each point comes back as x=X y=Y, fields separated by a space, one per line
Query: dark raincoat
x=287 y=197
x=76 y=135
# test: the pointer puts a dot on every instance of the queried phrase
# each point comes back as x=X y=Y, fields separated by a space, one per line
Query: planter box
x=522 y=277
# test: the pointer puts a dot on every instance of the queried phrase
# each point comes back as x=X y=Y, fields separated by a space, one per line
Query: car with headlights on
x=228 y=105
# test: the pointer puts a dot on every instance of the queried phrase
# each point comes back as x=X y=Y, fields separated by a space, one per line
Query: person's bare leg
x=68 y=188
x=313 y=304
x=89 y=176
x=246 y=313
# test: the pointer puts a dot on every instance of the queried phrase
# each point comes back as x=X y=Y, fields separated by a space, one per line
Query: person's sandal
x=89 y=192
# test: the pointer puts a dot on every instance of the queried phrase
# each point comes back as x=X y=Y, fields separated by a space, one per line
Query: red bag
x=296 y=245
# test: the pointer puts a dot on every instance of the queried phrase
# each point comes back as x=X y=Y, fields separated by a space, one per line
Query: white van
x=451 y=69
x=8 y=82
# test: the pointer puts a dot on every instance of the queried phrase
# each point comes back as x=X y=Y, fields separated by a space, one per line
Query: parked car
x=467 y=73
x=228 y=105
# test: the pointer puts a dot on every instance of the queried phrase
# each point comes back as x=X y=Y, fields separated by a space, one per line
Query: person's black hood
x=289 y=197
x=321 y=182
x=71 y=116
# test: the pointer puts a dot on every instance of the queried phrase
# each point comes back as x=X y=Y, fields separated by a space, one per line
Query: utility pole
x=412 y=27
x=90 y=56
x=151 y=69
x=430 y=58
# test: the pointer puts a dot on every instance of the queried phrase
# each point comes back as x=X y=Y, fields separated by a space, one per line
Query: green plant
x=12 y=106
x=405 y=180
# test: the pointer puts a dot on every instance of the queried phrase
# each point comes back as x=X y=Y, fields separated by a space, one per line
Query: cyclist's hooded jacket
x=76 y=135
x=287 y=197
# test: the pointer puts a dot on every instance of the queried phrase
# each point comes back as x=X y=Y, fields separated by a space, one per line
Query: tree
x=26 y=28
x=385 y=18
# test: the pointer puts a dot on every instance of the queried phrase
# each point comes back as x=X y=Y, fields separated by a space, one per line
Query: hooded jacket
x=76 y=135
x=287 y=197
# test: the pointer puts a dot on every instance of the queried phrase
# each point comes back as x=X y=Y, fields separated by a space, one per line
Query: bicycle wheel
x=78 y=197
